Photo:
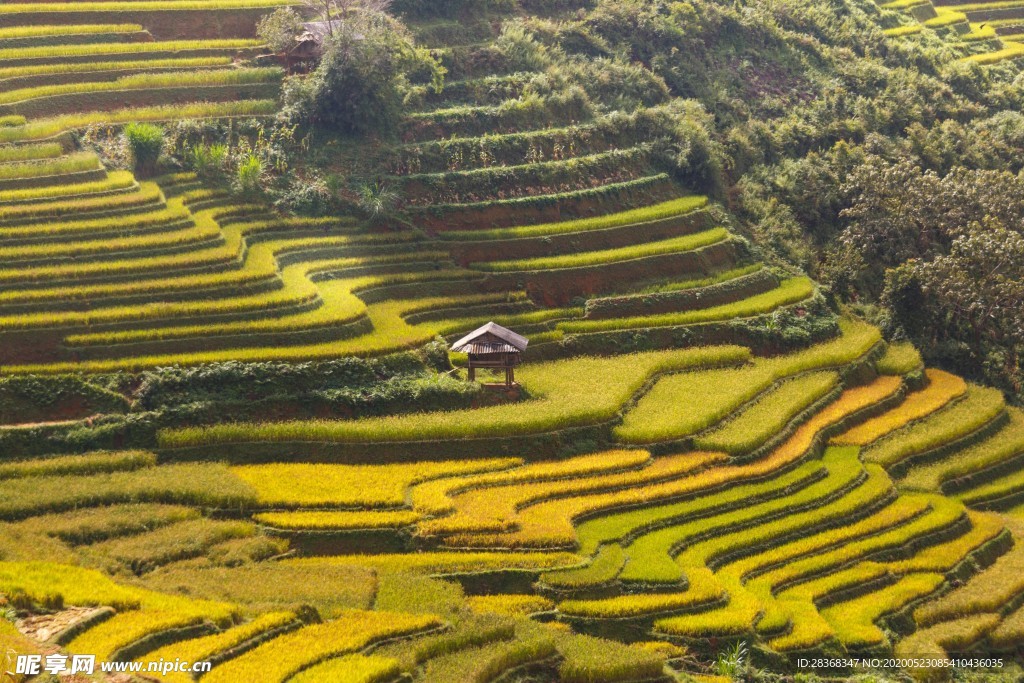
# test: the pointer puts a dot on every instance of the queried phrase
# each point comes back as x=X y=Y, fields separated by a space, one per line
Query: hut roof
x=491 y=338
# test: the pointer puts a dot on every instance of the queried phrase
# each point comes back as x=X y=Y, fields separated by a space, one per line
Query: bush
x=279 y=28
x=145 y=143
x=358 y=87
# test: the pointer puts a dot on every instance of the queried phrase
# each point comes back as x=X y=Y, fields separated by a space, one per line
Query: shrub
x=279 y=28
x=357 y=88
x=145 y=144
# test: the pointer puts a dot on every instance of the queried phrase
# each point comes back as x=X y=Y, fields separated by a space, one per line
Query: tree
x=358 y=86
x=335 y=11
x=279 y=28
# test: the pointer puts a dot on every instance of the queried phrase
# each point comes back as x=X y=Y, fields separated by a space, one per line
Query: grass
x=566 y=394
x=145 y=81
x=646 y=214
x=1004 y=445
x=204 y=648
x=44 y=128
x=335 y=520
x=788 y=292
x=713 y=395
x=978 y=407
x=769 y=415
x=208 y=484
x=605 y=256
x=303 y=484
x=351 y=669
x=285 y=656
x=89 y=463
x=942 y=389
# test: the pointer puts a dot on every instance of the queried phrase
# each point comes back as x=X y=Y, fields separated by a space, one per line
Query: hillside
x=232 y=430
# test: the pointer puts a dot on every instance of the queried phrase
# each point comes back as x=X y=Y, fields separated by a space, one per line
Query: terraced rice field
x=672 y=476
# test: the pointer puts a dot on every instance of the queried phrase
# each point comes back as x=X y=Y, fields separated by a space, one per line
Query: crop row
x=493 y=509
x=34 y=73
x=551 y=523
x=569 y=393
x=118 y=192
x=46 y=150
x=968 y=464
x=281 y=658
x=44 y=128
x=942 y=389
x=769 y=415
x=87 y=184
x=788 y=292
x=309 y=485
x=712 y=395
x=148 y=80
x=978 y=408
x=338 y=520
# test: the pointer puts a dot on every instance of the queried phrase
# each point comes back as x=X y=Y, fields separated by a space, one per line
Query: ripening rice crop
x=511 y=605
x=978 y=407
x=987 y=591
x=89 y=525
x=64 y=68
x=594 y=660
x=45 y=150
x=643 y=214
x=179 y=541
x=204 y=648
x=302 y=484
x=487 y=662
x=788 y=292
x=351 y=669
x=941 y=390
x=640 y=604
x=209 y=484
x=135 y=6
x=568 y=393
x=44 y=128
x=281 y=658
x=594 y=258
x=769 y=415
x=89 y=463
x=443 y=562
x=550 y=523
x=854 y=620
x=682 y=404
x=65 y=51
x=493 y=509
x=899 y=359
x=125 y=628
x=1003 y=446
x=339 y=520
x=146 y=81
x=10 y=32
x=434 y=497
x=72 y=163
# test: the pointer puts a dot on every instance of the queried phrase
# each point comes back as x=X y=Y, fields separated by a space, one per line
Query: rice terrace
x=511 y=341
